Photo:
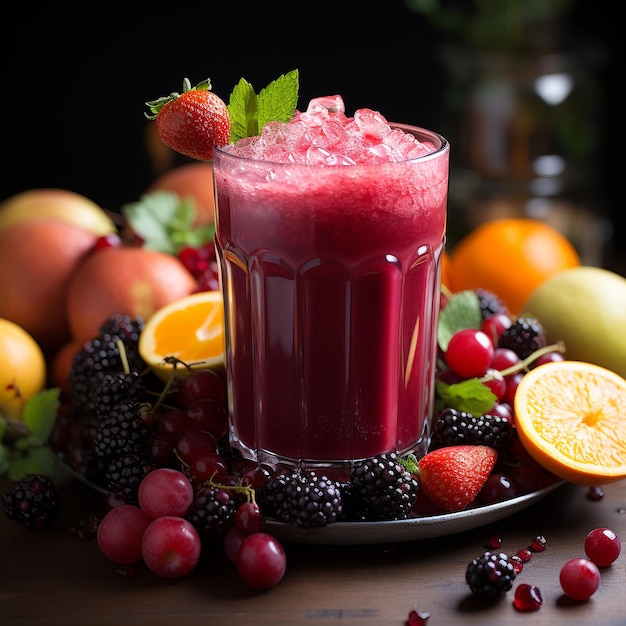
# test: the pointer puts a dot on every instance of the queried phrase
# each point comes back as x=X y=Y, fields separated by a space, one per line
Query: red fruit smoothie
x=330 y=264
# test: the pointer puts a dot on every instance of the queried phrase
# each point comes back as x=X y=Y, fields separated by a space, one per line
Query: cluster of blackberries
x=378 y=488
x=105 y=435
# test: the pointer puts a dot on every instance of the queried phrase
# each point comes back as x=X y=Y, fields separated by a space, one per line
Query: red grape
x=171 y=546
x=469 y=352
x=602 y=546
x=261 y=561
x=579 y=578
x=120 y=533
x=165 y=491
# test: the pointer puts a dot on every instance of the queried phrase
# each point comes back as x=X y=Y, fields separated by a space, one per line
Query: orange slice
x=570 y=418
x=191 y=330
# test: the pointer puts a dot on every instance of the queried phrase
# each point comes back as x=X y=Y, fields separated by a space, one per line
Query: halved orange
x=570 y=418
x=185 y=335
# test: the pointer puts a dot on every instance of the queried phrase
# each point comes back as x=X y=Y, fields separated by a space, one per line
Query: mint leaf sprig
x=249 y=112
x=166 y=222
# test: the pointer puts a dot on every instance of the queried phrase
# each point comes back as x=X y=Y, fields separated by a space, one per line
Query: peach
x=134 y=281
x=190 y=179
x=37 y=260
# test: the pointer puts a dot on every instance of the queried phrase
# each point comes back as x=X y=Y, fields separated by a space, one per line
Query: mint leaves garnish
x=249 y=112
x=165 y=222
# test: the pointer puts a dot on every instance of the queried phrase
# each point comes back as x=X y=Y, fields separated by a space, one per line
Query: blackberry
x=124 y=429
x=124 y=327
x=33 y=501
x=523 y=336
x=453 y=427
x=124 y=472
x=101 y=356
x=116 y=388
x=303 y=497
x=382 y=488
x=490 y=575
x=213 y=509
x=490 y=303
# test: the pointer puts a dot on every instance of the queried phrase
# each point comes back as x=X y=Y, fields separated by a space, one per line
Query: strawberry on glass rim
x=193 y=122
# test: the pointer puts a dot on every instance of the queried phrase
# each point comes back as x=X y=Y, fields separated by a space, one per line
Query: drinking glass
x=331 y=285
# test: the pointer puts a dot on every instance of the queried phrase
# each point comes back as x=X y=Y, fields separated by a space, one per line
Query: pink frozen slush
x=330 y=231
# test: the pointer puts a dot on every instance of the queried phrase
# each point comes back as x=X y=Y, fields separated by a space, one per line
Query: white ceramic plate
x=412 y=529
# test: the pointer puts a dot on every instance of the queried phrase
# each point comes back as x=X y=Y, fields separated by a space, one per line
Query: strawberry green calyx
x=155 y=106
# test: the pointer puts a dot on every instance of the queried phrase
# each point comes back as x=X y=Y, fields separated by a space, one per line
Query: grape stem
x=524 y=363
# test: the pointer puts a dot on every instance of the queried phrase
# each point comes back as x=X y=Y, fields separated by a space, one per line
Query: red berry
x=469 y=352
x=120 y=533
x=538 y=544
x=112 y=240
x=171 y=546
x=602 y=546
x=527 y=598
x=579 y=579
x=261 y=561
x=193 y=122
x=494 y=325
x=165 y=491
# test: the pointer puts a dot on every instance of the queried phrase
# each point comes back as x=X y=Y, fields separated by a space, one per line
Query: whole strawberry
x=193 y=122
x=452 y=477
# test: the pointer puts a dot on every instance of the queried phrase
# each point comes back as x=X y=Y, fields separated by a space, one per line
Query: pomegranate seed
x=495 y=542
x=524 y=554
x=112 y=240
x=538 y=544
x=518 y=564
x=417 y=618
x=527 y=598
x=595 y=493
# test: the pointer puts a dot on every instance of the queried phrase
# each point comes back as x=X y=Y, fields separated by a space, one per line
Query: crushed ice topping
x=325 y=135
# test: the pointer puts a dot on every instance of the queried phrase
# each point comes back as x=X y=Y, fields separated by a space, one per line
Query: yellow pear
x=585 y=307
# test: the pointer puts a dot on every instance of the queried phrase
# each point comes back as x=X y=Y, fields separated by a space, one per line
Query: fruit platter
x=118 y=378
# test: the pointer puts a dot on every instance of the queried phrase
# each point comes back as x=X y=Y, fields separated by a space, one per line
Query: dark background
x=74 y=84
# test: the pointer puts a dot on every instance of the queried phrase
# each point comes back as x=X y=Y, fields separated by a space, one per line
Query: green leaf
x=4 y=459
x=243 y=111
x=469 y=395
x=35 y=461
x=166 y=222
x=461 y=311
x=275 y=103
x=40 y=412
x=278 y=101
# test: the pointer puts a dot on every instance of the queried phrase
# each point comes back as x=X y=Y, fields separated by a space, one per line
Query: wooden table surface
x=56 y=578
